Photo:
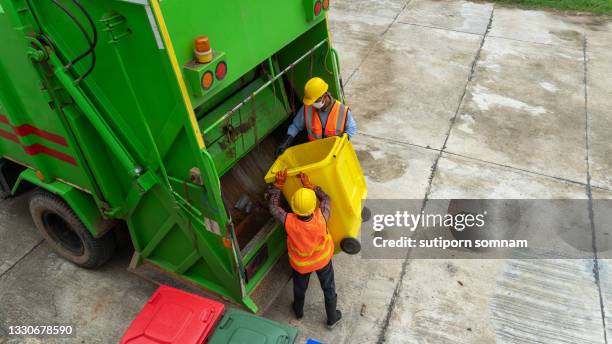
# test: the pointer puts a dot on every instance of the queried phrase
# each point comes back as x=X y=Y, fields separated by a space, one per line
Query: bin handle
x=225 y=323
x=334 y=154
x=341 y=144
x=282 y=339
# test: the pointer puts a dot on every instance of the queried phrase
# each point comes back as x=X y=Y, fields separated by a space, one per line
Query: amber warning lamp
x=203 y=52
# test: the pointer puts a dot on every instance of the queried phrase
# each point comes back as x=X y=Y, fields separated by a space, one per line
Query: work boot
x=333 y=315
x=298 y=309
x=332 y=324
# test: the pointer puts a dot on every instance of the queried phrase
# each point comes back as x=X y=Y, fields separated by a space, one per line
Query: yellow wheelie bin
x=332 y=164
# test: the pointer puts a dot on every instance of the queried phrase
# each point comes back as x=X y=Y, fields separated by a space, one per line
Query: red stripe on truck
x=26 y=129
x=37 y=148
x=9 y=136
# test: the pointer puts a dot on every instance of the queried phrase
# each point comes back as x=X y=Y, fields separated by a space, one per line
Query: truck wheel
x=350 y=246
x=66 y=234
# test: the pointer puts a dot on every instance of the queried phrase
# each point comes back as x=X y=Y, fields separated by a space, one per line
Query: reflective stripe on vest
x=336 y=121
x=308 y=117
x=309 y=245
x=307 y=254
x=323 y=256
x=341 y=119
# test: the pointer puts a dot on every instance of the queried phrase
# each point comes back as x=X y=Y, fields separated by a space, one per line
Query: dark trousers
x=326 y=277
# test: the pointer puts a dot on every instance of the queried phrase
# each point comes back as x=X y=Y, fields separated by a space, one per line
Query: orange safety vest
x=309 y=245
x=336 y=120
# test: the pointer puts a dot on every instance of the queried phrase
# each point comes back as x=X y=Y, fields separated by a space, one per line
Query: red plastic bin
x=172 y=316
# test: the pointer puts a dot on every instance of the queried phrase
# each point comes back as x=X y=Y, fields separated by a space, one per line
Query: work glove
x=283 y=146
x=281 y=178
x=306 y=181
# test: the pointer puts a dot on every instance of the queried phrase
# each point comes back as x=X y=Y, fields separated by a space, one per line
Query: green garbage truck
x=159 y=116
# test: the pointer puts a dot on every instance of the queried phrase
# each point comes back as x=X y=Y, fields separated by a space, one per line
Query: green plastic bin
x=238 y=327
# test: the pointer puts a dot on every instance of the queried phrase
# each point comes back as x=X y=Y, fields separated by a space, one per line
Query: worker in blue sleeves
x=322 y=116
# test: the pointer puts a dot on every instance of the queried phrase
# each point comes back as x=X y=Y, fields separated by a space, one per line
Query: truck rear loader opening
x=243 y=189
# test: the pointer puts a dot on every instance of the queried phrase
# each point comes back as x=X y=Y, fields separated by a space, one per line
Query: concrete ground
x=454 y=99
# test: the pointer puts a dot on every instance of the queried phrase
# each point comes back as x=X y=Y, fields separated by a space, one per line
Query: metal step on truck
x=161 y=117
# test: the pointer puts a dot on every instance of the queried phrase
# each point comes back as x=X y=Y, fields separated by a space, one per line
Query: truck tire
x=66 y=234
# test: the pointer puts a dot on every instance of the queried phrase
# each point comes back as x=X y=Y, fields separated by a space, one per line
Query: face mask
x=319 y=105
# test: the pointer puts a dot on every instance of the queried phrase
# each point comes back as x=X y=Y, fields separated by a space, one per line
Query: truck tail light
x=221 y=70
x=317 y=8
x=326 y=4
x=207 y=80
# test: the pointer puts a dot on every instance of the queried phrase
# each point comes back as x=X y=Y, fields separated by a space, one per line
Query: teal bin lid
x=238 y=327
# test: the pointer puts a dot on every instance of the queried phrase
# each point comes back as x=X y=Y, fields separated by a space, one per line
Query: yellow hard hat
x=304 y=202
x=314 y=89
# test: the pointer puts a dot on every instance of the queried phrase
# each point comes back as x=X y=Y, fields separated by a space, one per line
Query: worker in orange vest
x=309 y=245
x=322 y=116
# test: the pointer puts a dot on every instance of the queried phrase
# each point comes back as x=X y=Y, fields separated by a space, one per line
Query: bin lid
x=174 y=316
x=238 y=327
